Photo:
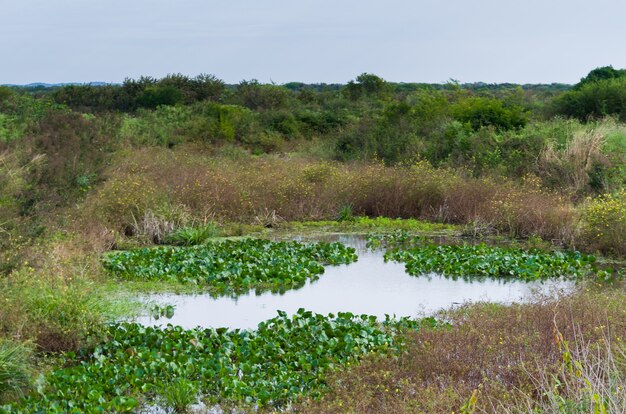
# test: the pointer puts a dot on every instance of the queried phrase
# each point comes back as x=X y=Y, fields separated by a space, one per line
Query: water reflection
x=368 y=286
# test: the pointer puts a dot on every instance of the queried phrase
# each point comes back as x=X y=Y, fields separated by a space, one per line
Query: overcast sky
x=530 y=41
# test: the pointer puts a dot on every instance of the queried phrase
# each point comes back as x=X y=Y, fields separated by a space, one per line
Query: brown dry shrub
x=516 y=209
x=186 y=179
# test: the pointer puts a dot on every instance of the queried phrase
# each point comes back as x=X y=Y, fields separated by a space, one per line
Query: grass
x=189 y=236
x=367 y=224
x=16 y=369
x=271 y=191
x=498 y=359
x=178 y=395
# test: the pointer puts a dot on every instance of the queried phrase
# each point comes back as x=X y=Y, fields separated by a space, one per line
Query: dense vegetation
x=285 y=358
x=496 y=262
x=469 y=261
x=86 y=169
x=232 y=267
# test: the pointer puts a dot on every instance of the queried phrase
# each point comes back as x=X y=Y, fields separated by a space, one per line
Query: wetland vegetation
x=231 y=266
x=189 y=184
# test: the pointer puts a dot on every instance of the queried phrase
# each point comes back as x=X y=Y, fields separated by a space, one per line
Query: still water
x=368 y=286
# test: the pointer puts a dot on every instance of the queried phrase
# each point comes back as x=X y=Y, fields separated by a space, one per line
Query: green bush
x=479 y=112
x=158 y=127
x=390 y=135
x=259 y=97
x=595 y=100
x=230 y=123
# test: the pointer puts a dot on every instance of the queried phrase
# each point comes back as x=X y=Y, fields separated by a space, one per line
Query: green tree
x=367 y=84
x=601 y=73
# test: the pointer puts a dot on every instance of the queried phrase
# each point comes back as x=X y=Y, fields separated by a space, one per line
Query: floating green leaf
x=285 y=358
x=231 y=266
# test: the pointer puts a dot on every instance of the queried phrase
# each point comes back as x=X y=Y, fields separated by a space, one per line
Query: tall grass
x=586 y=162
x=591 y=379
x=161 y=180
x=15 y=369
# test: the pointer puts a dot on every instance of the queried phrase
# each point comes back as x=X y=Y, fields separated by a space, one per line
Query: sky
x=331 y=41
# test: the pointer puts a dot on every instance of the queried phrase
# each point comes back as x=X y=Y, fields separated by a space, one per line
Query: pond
x=368 y=286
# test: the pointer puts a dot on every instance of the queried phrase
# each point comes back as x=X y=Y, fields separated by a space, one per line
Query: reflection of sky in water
x=368 y=286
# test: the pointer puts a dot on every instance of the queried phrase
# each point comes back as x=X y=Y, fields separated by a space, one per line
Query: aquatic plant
x=482 y=260
x=231 y=266
x=284 y=359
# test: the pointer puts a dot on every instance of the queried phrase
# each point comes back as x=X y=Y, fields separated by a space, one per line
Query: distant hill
x=55 y=85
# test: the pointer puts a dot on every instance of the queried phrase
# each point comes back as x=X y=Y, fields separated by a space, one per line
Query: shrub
x=56 y=315
x=604 y=223
x=162 y=126
x=593 y=100
x=479 y=112
x=389 y=136
x=297 y=189
x=256 y=96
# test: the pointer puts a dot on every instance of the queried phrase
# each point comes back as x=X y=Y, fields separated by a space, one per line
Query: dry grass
x=571 y=167
x=164 y=182
x=492 y=359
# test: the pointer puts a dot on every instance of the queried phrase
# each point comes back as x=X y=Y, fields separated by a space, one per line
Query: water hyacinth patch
x=285 y=358
x=496 y=262
x=231 y=266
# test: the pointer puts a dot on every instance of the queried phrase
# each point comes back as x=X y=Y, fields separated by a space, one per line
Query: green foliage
x=159 y=127
x=145 y=92
x=189 y=236
x=226 y=123
x=155 y=96
x=484 y=261
x=367 y=84
x=15 y=369
x=55 y=315
x=283 y=122
x=5 y=94
x=614 y=148
x=390 y=136
x=346 y=214
x=11 y=128
x=382 y=224
x=284 y=359
x=231 y=266
x=167 y=311
x=480 y=112
x=601 y=73
x=256 y=96
x=20 y=114
x=593 y=100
